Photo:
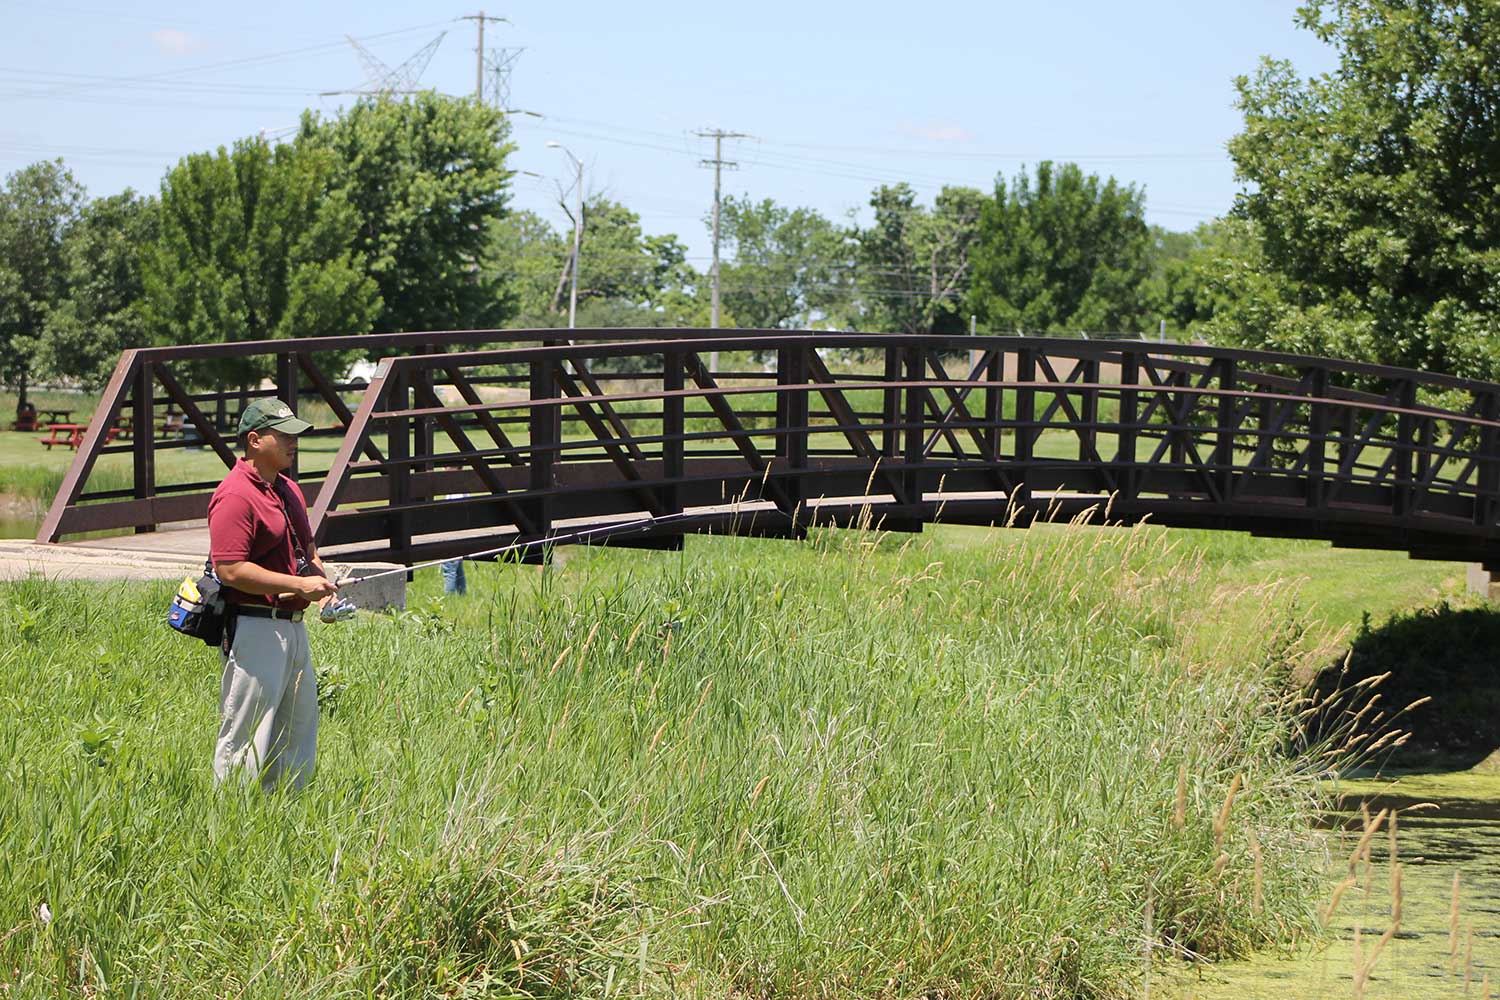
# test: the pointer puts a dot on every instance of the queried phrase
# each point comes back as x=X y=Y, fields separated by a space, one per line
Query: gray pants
x=268 y=705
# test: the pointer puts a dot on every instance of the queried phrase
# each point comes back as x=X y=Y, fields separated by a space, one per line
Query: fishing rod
x=341 y=607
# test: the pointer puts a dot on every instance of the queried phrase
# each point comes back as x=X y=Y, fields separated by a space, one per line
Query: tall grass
x=866 y=766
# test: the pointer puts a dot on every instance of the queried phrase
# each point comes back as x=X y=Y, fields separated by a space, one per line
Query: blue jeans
x=453 y=577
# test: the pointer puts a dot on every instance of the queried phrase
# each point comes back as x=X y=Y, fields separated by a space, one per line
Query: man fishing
x=262 y=551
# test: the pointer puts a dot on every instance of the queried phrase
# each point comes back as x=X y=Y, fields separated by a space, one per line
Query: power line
x=226 y=64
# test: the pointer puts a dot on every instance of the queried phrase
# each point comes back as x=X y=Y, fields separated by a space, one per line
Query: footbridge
x=462 y=441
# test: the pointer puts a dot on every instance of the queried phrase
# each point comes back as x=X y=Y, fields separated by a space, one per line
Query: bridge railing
x=799 y=427
x=905 y=430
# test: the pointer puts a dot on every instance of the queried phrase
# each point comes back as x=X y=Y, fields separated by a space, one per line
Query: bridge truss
x=466 y=440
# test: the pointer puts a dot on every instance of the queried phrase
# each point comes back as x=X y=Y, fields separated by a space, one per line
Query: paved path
x=21 y=558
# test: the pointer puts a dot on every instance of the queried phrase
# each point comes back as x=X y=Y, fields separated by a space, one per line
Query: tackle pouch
x=197 y=609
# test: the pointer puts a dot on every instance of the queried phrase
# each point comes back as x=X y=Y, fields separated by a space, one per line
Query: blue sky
x=838 y=97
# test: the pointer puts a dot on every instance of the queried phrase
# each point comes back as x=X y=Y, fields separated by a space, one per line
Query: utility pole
x=479 y=20
x=718 y=163
x=577 y=229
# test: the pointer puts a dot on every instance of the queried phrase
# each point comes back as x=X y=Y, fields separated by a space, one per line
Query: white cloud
x=937 y=131
x=173 y=42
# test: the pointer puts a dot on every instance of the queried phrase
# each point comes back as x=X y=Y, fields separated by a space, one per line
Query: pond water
x=18 y=521
x=1447 y=825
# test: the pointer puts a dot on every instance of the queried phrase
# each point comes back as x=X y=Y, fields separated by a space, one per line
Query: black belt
x=265 y=611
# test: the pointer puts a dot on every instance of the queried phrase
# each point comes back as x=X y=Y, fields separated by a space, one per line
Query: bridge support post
x=1317 y=441
x=1088 y=412
x=1130 y=374
x=546 y=435
x=994 y=401
x=1487 y=475
x=915 y=449
x=1224 y=447
x=422 y=427
x=286 y=390
x=791 y=370
x=673 y=460
x=398 y=448
x=890 y=412
x=143 y=445
x=1026 y=430
x=1403 y=491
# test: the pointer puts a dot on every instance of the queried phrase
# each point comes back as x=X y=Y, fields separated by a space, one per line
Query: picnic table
x=63 y=434
x=71 y=435
x=56 y=416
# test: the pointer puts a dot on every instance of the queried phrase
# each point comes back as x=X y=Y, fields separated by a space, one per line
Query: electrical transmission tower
x=500 y=62
x=718 y=135
x=382 y=80
x=492 y=67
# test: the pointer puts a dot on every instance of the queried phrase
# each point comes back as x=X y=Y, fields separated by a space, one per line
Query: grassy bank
x=861 y=767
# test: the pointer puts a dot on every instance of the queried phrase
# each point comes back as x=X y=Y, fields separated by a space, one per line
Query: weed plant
x=867 y=766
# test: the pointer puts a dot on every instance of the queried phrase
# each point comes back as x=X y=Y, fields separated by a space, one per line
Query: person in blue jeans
x=453 y=577
x=453 y=569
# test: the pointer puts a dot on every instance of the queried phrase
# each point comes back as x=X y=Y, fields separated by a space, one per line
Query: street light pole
x=577 y=231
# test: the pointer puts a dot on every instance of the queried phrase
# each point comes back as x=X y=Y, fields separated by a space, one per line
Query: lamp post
x=577 y=230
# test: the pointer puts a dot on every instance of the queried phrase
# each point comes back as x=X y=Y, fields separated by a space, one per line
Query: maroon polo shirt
x=248 y=522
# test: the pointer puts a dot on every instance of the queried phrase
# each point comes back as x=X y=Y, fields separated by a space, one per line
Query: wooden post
x=398 y=448
x=994 y=401
x=791 y=370
x=911 y=478
x=1129 y=420
x=1402 y=492
x=546 y=435
x=1224 y=448
x=890 y=415
x=1088 y=412
x=1026 y=434
x=1317 y=439
x=1487 y=474
x=286 y=391
x=143 y=444
x=673 y=448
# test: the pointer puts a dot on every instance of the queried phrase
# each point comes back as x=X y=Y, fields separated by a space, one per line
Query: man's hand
x=315 y=588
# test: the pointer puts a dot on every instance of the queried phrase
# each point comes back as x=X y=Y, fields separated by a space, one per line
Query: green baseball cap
x=271 y=415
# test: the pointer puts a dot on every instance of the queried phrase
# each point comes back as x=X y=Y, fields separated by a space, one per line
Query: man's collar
x=247 y=468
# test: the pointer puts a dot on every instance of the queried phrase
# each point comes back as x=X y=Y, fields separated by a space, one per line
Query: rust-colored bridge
x=463 y=441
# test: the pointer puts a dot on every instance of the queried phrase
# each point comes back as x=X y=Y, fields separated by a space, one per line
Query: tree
x=255 y=246
x=786 y=267
x=1376 y=188
x=1193 y=276
x=104 y=254
x=38 y=206
x=626 y=277
x=427 y=179
x=915 y=262
x=1069 y=254
x=522 y=259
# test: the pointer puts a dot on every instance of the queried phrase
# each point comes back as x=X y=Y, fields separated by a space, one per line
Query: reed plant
x=958 y=765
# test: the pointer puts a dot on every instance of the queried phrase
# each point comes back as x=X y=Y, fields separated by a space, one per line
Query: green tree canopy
x=915 y=262
x=1070 y=253
x=782 y=267
x=102 y=314
x=38 y=206
x=426 y=177
x=1376 y=187
x=626 y=277
x=254 y=246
